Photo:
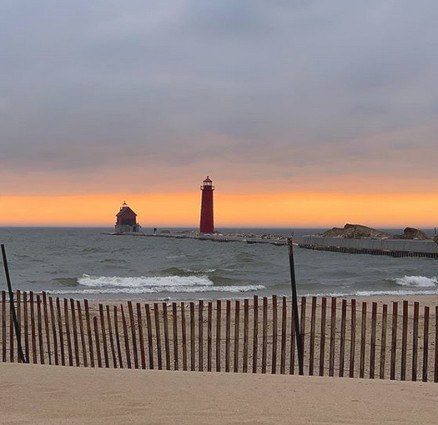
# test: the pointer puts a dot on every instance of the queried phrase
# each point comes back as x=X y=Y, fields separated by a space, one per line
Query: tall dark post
x=207 y=224
x=12 y=306
x=295 y=308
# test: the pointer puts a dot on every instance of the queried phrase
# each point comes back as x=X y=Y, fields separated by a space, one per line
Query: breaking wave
x=417 y=281
x=151 y=285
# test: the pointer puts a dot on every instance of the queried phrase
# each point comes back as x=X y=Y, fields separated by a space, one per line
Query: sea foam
x=151 y=285
x=417 y=281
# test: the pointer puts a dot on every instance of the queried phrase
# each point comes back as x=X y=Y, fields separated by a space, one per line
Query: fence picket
x=175 y=336
x=96 y=339
x=245 y=335
x=150 y=339
x=283 y=336
x=303 y=322
x=126 y=338
x=265 y=334
x=435 y=375
x=89 y=332
x=103 y=330
x=218 y=335
x=133 y=334
x=68 y=333
x=46 y=325
x=75 y=332
x=192 y=337
x=110 y=333
x=255 y=333
x=227 y=335
x=60 y=330
x=415 y=341
x=274 y=335
x=158 y=336
x=363 y=335
x=184 y=336
x=53 y=321
x=81 y=330
x=18 y=306
x=40 y=330
x=117 y=335
x=209 y=335
x=342 y=338
x=4 y=356
x=312 y=335
x=394 y=339
x=26 y=328
x=322 y=340
x=332 y=338
x=383 y=341
x=352 y=338
x=373 y=339
x=140 y=336
x=404 y=342
x=201 y=335
x=292 y=342
x=425 y=343
x=32 y=327
x=236 y=334
x=166 y=336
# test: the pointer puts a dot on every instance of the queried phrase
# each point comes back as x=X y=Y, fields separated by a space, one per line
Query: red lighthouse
x=207 y=225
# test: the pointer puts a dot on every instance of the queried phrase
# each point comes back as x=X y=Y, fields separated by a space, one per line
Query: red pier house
x=207 y=224
x=126 y=220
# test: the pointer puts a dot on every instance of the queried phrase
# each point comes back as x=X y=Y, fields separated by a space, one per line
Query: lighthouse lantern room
x=207 y=223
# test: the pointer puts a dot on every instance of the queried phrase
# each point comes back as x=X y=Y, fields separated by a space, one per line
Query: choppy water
x=88 y=263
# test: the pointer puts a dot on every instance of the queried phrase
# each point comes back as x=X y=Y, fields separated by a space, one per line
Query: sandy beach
x=34 y=394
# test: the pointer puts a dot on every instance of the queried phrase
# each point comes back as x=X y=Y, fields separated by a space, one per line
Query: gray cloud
x=282 y=88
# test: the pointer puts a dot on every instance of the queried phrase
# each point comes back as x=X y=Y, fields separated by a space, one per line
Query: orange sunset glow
x=231 y=210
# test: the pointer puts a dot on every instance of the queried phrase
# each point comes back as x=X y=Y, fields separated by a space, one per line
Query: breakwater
x=390 y=247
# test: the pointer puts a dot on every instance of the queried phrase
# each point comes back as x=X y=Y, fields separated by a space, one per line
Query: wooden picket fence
x=341 y=337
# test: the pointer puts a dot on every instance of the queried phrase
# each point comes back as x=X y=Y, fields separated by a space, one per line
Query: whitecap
x=416 y=281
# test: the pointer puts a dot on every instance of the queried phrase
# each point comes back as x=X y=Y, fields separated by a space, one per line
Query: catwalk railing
x=348 y=338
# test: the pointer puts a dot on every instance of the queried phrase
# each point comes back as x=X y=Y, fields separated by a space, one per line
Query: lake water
x=87 y=263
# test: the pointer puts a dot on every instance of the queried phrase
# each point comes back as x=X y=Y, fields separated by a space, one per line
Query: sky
x=303 y=113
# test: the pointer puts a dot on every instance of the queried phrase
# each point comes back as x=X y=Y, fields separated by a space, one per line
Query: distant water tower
x=207 y=225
